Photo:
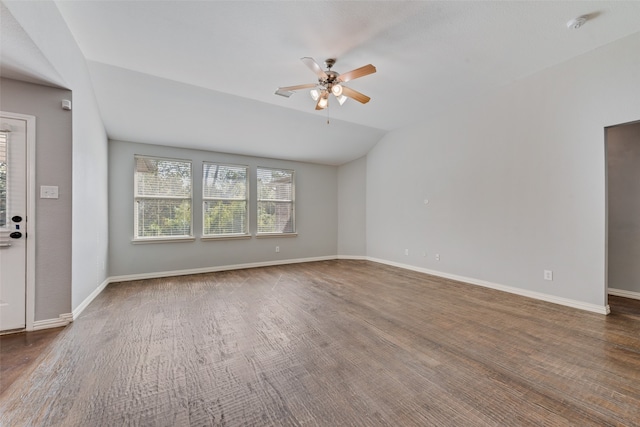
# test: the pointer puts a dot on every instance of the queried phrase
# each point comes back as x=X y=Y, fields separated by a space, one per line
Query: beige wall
x=515 y=181
x=43 y=23
x=53 y=167
x=352 y=203
x=316 y=216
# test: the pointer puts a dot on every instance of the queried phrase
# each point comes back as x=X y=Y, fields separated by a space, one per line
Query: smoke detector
x=577 y=22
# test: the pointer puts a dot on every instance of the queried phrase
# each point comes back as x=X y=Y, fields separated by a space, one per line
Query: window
x=224 y=200
x=276 y=196
x=162 y=198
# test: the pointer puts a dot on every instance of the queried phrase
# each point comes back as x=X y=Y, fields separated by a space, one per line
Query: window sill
x=163 y=240
x=229 y=237
x=271 y=235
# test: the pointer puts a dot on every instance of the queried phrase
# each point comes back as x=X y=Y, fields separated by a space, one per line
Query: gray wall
x=352 y=185
x=316 y=216
x=53 y=167
x=45 y=26
x=515 y=179
x=623 y=158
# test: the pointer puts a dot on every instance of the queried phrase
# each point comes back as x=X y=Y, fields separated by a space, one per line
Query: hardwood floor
x=19 y=352
x=330 y=344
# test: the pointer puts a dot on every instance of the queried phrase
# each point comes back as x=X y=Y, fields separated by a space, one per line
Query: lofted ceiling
x=202 y=74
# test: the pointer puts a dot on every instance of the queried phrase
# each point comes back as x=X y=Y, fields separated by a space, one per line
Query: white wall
x=316 y=216
x=515 y=180
x=45 y=26
x=623 y=183
x=352 y=207
x=53 y=167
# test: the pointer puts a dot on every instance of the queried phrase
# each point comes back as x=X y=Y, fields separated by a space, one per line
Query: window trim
x=272 y=235
x=293 y=233
x=228 y=236
x=160 y=239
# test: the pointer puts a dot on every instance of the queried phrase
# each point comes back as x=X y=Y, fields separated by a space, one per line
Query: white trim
x=146 y=240
x=65 y=319
x=352 y=257
x=518 y=291
x=62 y=320
x=79 y=309
x=30 y=274
x=212 y=237
x=624 y=293
x=142 y=276
x=270 y=235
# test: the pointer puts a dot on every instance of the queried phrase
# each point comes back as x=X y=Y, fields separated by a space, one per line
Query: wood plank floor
x=19 y=353
x=335 y=343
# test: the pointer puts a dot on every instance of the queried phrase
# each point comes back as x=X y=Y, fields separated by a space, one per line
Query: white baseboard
x=352 y=257
x=155 y=275
x=62 y=320
x=523 y=292
x=66 y=318
x=624 y=293
x=80 y=308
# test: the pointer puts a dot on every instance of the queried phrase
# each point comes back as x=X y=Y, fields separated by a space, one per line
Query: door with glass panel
x=13 y=222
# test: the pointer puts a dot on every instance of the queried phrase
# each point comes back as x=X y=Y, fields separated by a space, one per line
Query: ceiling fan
x=329 y=82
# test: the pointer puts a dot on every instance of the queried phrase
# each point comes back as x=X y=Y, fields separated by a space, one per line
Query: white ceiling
x=202 y=74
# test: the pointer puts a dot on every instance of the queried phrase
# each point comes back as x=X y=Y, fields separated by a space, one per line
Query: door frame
x=614 y=291
x=30 y=240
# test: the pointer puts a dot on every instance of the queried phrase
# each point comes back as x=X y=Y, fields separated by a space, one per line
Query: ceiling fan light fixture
x=323 y=102
x=341 y=99
x=336 y=89
x=315 y=94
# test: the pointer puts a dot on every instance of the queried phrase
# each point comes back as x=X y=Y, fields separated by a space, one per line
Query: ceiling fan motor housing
x=332 y=77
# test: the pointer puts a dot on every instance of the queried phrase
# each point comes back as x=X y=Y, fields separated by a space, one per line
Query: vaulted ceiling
x=202 y=74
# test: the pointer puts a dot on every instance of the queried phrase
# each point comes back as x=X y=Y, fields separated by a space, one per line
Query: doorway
x=622 y=144
x=16 y=255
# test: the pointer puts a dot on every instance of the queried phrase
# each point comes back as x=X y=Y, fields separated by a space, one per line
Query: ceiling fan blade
x=354 y=94
x=287 y=91
x=315 y=67
x=358 y=72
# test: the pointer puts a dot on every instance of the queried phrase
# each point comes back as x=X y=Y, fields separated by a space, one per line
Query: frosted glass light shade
x=324 y=101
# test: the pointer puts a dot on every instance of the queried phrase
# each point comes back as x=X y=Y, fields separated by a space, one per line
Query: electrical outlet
x=277 y=249
x=437 y=257
x=548 y=275
x=406 y=251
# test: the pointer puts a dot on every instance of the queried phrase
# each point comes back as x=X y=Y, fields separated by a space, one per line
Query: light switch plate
x=48 y=191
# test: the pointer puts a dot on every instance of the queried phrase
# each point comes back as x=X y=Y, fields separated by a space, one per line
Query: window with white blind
x=224 y=200
x=162 y=192
x=3 y=179
x=276 y=201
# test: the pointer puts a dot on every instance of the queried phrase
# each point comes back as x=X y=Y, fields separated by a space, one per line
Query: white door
x=13 y=223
